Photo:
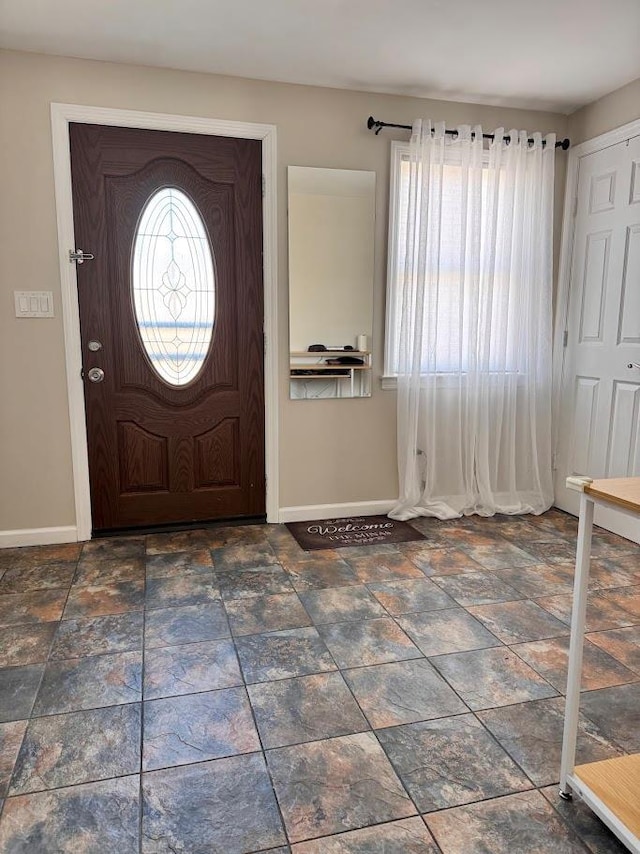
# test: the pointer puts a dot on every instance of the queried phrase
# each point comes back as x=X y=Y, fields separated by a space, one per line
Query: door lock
x=94 y=346
x=96 y=375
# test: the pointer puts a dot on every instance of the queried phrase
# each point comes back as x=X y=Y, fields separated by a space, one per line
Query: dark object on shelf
x=316 y=348
x=310 y=372
x=345 y=360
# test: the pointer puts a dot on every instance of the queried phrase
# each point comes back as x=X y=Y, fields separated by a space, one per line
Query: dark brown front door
x=171 y=315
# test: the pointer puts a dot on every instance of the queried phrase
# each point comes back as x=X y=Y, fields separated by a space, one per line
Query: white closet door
x=600 y=412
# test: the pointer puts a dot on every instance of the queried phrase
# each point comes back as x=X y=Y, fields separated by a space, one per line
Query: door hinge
x=79 y=257
x=264 y=186
x=565 y=337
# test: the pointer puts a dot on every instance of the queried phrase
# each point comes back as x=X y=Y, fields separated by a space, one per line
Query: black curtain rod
x=376 y=126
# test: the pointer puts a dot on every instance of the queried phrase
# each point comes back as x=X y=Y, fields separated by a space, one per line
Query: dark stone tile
x=18 y=689
x=467 y=535
x=440 y=632
x=450 y=761
x=383 y=567
x=293 y=557
x=279 y=655
x=402 y=692
x=97 y=600
x=410 y=597
x=586 y=824
x=97 y=635
x=238 y=535
x=182 y=730
x=407 y=836
x=552 y=551
x=605 y=573
x=335 y=785
x=524 y=823
x=622 y=644
x=244 y=556
x=307 y=708
x=501 y=556
x=94 y=571
x=25 y=644
x=602 y=613
x=627 y=598
x=181 y=591
x=556 y=521
x=266 y=614
x=24 y=558
x=38 y=606
x=607 y=544
x=62 y=750
x=93 y=818
x=438 y=531
x=177 y=541
x=247 y=583
x=370 y=642
x=477 y=588
x=110 y=548
x=341 y=604
x=550 y=658
x=184 y=669
x=190 y=624
x=518 y=622
x=616 y=712
x=492 y=677
x=372 y=549
x=221 y=807
x=89 y=683
x=317 y=573
x=442 y=561
x=540 y=580
x=37 y=578
x=532 y=734
x=177 y=564
x=11 y=734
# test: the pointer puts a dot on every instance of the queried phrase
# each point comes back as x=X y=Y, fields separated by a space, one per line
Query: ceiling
x=537 y=54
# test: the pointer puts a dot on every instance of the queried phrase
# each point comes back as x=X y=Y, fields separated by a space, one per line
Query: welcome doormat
x=352 y=531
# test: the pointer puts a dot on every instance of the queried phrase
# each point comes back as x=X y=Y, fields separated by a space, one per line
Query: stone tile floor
x=223 y=691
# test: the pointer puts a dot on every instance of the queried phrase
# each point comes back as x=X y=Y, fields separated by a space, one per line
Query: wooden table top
x=617 y=783
x=623 y=491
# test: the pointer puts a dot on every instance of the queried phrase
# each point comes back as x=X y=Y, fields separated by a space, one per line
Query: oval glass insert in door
x=173 y=286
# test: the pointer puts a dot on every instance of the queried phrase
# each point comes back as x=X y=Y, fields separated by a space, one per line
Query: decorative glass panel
x=173 y=286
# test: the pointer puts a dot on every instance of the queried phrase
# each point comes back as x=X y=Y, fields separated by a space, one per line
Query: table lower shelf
x=612 y=789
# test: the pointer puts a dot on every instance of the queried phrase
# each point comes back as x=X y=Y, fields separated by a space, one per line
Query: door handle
x=96 y=375
x=633 y=365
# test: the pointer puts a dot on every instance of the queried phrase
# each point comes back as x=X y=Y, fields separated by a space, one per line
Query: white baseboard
x=310 y=512
x=38 y=536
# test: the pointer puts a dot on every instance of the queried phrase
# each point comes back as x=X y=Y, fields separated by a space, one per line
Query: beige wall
x=615 y=109
x=331 y=451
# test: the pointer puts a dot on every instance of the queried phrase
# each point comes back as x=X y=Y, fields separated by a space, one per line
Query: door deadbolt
x=96 y=375
x=94 y=346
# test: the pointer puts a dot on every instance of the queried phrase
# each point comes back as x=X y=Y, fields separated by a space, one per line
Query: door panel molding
x=61 y=116
x=566 y=272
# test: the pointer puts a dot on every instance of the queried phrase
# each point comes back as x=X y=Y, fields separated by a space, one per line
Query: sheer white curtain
x=474 y=315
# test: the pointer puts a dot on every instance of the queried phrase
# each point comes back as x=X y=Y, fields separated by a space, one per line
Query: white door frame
x=576 y=153
x=61 y=116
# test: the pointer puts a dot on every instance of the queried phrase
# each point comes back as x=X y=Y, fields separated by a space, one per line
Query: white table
x=611 y=788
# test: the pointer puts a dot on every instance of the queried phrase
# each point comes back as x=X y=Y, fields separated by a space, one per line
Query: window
x=173 y=286
x=450 y=344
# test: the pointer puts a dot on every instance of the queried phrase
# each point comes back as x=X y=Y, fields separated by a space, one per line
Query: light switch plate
x=33 y=303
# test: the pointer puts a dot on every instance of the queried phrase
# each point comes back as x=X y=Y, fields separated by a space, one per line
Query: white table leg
x=578 y=619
